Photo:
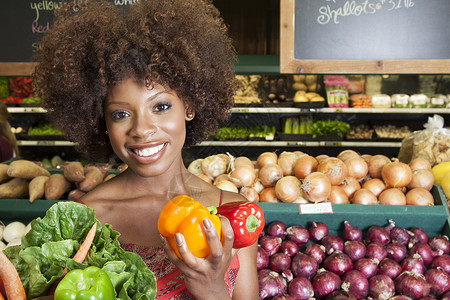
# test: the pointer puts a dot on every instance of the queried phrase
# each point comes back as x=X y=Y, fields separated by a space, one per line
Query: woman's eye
x=119 y=115
x=162 y=107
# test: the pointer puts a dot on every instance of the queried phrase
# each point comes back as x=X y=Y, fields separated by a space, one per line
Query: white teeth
x=148 y=151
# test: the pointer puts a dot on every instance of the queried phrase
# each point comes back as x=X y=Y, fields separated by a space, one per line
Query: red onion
x=304 y=266
x=325 y=282
x=446 y=296
x=316 y=251
x=262 y=259
x=354 y=249
x=279 y=262
x=270 y=243
x=318 y=231
x=374 y=250
x=340 y=295
x=352 y=233
x=283 y=297
x=413 y=263
x=381 y=287
x=396 y=251
x=380 y=234
x=289 y=247
x=389 y=267
x=439 y=281
x=355 y=283
x=298 y=234
x=338 y=262
x=401 y=297
x=441 y=261
x=300 y=288
x=367 y=266
x=425 y=251
x=332 y=243
x=400 y=235
x=270 y=284
x=277 y=229
x=287 y=274
x=412 y=284
x=440 y=243
x=418 y=236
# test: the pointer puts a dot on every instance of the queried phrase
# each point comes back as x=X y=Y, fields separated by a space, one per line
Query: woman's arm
x=247 y=279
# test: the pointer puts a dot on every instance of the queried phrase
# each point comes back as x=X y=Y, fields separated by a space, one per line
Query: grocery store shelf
x=341 y=110
x=26 y=109
x=300 y=143
x=45 y=143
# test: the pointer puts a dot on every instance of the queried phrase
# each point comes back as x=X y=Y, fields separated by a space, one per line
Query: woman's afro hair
x=181 y=44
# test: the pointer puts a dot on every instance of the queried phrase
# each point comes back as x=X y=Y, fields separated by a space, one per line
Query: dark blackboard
x=23 y=23
x=372 y=29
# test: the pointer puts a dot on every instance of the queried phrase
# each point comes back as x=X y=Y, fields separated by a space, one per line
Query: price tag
x=315 y=208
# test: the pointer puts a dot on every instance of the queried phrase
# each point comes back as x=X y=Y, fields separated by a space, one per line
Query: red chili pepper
x=247 y=221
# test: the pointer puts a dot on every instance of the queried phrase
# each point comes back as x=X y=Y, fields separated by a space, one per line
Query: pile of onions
x=293 y=264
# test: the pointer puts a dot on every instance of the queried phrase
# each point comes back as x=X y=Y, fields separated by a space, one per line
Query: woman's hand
x=204 y=277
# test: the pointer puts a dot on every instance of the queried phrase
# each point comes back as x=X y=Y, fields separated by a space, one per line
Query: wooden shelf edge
x=17 y=69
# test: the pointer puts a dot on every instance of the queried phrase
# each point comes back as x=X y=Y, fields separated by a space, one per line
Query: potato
x=26 y=169
x=4 y=173
x=74 y=171
x=15 y=188
x=75 y=194
x=56 y=186
x=93 y=177
x=36 y=188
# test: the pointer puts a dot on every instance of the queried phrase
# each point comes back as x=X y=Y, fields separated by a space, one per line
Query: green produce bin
x=430 y=218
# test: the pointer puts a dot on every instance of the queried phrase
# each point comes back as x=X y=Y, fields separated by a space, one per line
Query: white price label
x=315 y=208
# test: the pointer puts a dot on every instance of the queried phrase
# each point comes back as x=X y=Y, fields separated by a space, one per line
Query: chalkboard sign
x=22 y=25
x=365 y=36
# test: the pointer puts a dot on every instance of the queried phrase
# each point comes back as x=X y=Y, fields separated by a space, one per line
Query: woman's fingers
x=217 y=249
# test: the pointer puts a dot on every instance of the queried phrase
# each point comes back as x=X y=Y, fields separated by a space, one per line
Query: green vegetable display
x=44 y=129
x=240 y=132
x=53 y=240
x=325 y=127
x=91 y=283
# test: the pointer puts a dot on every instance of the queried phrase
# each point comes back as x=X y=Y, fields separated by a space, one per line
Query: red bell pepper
x=246 y=219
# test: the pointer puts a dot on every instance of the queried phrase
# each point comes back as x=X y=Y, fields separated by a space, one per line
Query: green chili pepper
x=91 y=283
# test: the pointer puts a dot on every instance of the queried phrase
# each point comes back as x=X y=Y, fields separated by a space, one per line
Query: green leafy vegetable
x=325 y=127
x=52 y=242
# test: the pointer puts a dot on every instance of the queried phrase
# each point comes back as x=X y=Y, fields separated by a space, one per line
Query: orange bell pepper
x=184 y=215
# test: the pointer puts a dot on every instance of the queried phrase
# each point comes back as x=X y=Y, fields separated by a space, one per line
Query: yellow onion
x=392 y=196
x=249 y=193
x=265 y=158
x=243 y=175
x=419 y=196
x=364 y=197
x=287 y=163
x=357 y=167
x=334 y=168
x=257 y=185
x=287 y=189
x=376 y=163
x=321 y=157
x=241 y=160
x=213 y=166
x=375 y=185
x=338 y=195
x=421 y=178
x=420 y=163
x=270 y=174
x=195 y=167
x=268 y=195
x=305 y=165
x=204 y=177
x=346 y=154
x=316 y=187
x=350 y=186
x=396 y=174
x=226 y=185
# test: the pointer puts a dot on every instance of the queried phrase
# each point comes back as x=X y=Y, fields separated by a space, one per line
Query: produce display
x=301 y=178
x=239 y=132
x=70 y=241
x=23 y=179
x=384 y=262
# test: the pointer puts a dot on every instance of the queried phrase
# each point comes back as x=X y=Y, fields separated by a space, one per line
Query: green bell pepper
x=91 y=283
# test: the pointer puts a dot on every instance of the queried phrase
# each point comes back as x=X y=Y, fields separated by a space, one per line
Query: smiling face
x=146 y=127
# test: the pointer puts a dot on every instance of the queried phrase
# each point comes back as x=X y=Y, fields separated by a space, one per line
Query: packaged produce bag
x=432 y=143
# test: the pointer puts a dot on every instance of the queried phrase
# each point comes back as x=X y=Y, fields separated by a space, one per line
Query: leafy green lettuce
x=53 y=240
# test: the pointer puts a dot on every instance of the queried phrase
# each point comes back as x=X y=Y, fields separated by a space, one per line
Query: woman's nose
x=143 y=128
